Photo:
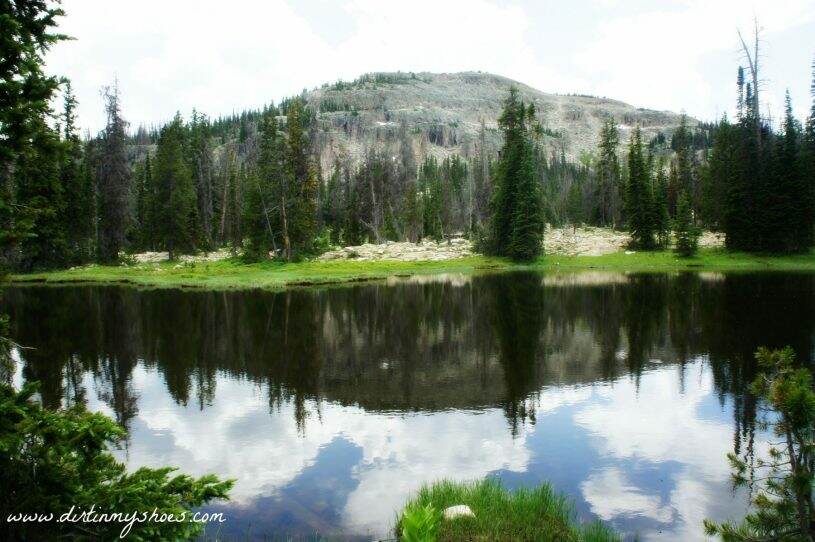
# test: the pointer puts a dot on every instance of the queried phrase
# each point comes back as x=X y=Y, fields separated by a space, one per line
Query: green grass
x=538 y=514
x=234 y=273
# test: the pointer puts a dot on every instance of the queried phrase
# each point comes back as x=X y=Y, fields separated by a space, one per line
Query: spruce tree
x=145 y=204
x=662 y=221
x=331 y=204
x=526 y=242
x=262 y=213
x=113 y=180
x=682 y=144
x=174 y=191
x=301 y=198
x=792 y=218
x=687 y=234
x=431 y=197
x=80 y=208
x=201 y=167
x=638 y=196
x=608 y=176
x=808 y=165
x=517 y=218
x=30 y=189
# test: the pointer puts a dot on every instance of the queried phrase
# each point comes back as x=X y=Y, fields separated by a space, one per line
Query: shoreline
x=233 y=274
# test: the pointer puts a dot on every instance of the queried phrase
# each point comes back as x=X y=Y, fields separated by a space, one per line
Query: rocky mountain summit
x=441 y=114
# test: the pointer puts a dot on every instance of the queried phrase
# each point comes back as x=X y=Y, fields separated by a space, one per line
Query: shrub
x=51 y=462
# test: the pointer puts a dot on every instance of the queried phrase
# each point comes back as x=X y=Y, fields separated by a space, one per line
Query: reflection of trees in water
x=495 y=340
x=517 y=312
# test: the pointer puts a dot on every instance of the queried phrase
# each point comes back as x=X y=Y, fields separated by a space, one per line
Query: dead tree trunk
x=752 y=64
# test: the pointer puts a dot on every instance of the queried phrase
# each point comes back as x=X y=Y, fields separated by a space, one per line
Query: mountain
x=441 y=115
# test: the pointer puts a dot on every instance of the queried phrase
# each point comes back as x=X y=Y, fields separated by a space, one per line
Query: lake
x=331 y=406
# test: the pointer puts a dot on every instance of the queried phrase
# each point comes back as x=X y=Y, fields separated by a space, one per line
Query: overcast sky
x=220 y=56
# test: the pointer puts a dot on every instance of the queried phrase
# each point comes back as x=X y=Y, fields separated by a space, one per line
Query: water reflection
x=331 y=406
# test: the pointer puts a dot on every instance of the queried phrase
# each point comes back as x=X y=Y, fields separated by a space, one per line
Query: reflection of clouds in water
x=237 y=438
x=400 y=454
x=234 y=437
x=551 y=399
x=611 y=494
x=659 y=423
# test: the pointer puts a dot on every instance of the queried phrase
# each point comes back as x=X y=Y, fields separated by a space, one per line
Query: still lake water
x=331 y=406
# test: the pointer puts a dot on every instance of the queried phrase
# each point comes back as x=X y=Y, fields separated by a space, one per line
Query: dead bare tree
x=753 y=59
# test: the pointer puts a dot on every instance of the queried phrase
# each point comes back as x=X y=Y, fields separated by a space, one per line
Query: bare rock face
x=441 y=115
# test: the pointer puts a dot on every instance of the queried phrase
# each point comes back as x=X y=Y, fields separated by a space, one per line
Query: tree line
x=252 y=181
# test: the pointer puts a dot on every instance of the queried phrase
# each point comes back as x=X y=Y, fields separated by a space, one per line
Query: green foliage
x=768 y=191
x=420 y=523
x=608 y=191
x=516 y=224
x=684 y=178
x=31 y=195
x=687 y=234
x=53 y=461
x=662 y=221
x=639 y=208
x=176 y=211
x=113 y=180
x=782 y=483
x=524 y=514
x=430 y=186
x=301 y=185
x=265 y=193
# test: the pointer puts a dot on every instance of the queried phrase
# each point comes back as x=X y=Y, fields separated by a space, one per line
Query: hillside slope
x=441 y=114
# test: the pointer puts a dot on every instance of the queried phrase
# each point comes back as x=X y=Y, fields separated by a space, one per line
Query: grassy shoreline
x=235 y=274
x=537 y=513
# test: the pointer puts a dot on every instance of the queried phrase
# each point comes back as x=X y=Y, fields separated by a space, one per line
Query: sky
x=222 y=57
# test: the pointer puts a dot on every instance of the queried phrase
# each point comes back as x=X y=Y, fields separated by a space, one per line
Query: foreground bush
x=538 y=514
x=51 y=462
x=781 y=484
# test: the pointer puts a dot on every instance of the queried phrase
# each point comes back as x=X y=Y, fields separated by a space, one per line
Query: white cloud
x=221 y=57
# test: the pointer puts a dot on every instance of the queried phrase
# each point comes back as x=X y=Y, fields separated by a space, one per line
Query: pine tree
x=527 y=219
x=681 y=142
x=175 y=194
x=80 y=208
x=25 y=93
x=301 y=198
x=230 y=231
x=517 y=215
x=412 y=213
x=430 y=187
x=792 y=217
x=687 y=234
x=331 y=204
x=146 y=216
x=608 y=176
x=781 y=482
x=638 y=196
x=262 y=213
x=662 y=221
x=113 y=181
x=807 y=169
x=201 y=167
